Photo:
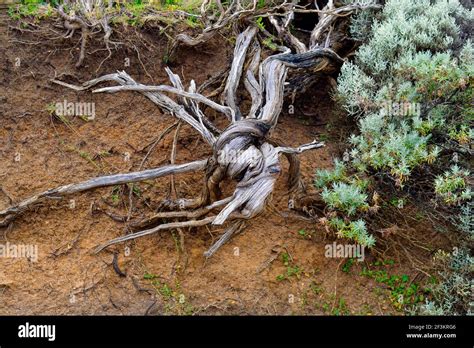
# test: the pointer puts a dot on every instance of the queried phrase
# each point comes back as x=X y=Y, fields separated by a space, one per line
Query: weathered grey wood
x=12 y=212
x=168 y=226
x=257 y=165
x=228 y=234
x=233 y=80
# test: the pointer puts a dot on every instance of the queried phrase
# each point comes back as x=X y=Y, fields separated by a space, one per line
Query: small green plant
x=341 y=308
x=305 y=234
x=292 y=270
x=148 y=276
x=324 y=137
x=315 y=288
x=85 y=155
x=464 y=221
x=346 y=267
x=166 y=291
x=52 y=110
x=260 y=24
x=462 y=134
x=169 y=2
x=115 y=195
x=404 y=295
x=175 y=300
x=270 y=44
x=135 y=189
x=398 y=202
x=345 y=195
x=192 y=22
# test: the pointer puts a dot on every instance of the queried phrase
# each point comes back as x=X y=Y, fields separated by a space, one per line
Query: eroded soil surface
x=276 y=266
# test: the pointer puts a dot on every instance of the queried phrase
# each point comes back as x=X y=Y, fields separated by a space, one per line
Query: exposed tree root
x=242 y=152
x=9 y=214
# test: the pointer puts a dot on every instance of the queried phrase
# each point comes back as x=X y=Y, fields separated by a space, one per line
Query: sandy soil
x=163 y=276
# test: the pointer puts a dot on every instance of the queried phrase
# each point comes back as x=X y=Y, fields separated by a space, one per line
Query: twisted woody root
x=258 y=165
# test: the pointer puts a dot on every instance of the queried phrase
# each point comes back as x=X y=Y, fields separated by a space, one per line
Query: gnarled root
x=242 y=152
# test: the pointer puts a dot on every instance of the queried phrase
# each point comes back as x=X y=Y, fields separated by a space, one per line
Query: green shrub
x=362 y=22
x=410 y=90
x=451 y=186
x=407 y=27
x=406 y=86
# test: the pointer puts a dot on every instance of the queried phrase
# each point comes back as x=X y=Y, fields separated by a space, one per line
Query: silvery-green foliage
x=452 y=185
x=466 y=56
x=415 y=57
x=407 y=27
x=347 y=198
x=361 y=21
x=453 y=293
x=328 y=176
x=465 y=220
x=386 y=146
x=407 y=62
x=357 y=89
x=354 y=230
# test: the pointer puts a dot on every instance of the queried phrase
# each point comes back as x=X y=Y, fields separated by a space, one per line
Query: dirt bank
x=276 y=266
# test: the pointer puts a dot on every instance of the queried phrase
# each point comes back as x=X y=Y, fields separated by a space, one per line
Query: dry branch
x=12 y=212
